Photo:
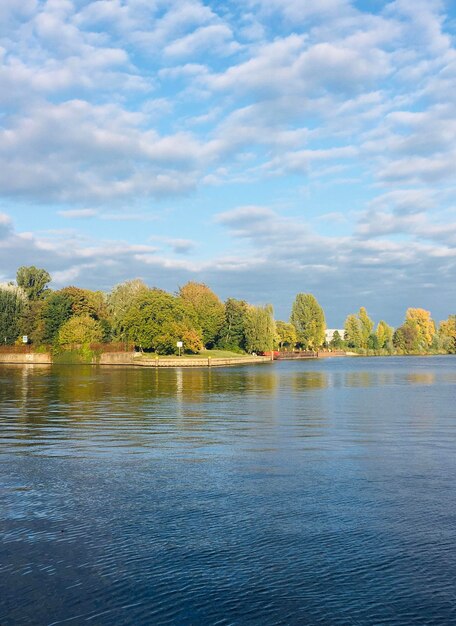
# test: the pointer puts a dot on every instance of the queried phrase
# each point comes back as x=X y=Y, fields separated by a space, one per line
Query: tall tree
x=337 y=341
x=210 y=312
x=33 y=281
x=57 y=310
x=406 y=338
x=308 y=318
x=260 y=329
x=232 y=332
x=447 y=333
x=425 y=327
x=353 y=332
x=13 y=303
x=86 y=302
x=120 y=300
x=367 y=326
x=384 y=334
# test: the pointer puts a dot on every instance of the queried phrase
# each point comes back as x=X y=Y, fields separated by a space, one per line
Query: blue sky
x=263 y=147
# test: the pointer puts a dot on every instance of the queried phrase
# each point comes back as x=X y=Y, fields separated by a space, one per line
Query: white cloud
x=216 y=37
x=109 y=102
x=78 y=213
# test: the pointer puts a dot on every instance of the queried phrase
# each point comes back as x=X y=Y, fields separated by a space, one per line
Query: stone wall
x=129 y=358
x=27 y=357
x=136 y=359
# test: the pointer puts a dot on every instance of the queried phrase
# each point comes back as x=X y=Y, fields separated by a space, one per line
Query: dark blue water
x=294 y=493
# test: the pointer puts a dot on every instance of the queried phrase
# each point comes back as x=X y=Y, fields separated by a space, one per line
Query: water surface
x=295 y=493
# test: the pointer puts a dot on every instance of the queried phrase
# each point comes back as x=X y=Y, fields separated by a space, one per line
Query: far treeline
x=154 y=320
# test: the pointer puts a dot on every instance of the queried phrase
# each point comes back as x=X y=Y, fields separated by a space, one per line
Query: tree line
x=155 y=320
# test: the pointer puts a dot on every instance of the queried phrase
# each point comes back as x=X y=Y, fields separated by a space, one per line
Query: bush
x=80 y=329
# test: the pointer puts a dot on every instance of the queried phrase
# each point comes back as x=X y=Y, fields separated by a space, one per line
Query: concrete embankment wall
x=199 y=362
x=135 y=359
x=118 y=358
x=28 y=357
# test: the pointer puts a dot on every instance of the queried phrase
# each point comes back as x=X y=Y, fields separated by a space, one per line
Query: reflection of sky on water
x=318 y=491
x=65 y=410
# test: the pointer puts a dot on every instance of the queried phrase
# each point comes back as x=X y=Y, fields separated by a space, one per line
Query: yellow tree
x=367 y=326
x=384 y=334
x=286 y=334
x=424 y=324
x=447 y=333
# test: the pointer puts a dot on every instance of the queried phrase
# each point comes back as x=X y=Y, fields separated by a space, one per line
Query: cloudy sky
x=265 y=147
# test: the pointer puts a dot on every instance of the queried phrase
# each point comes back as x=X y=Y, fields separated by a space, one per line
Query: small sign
x=24 y=338
x=180 y=344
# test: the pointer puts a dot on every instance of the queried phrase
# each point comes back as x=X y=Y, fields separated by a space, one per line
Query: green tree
x=157 y=320
x=13 y=302
x=353 y=331
x=86 y=302
x=32 y=322
x=260 y=329
x=373 y=342
x=33 y=281
x=120 y=300
x=367 y=326
x=337 y=342
x=308 y=318
x=57 y=310
x=406 y=338
x=80 y=329
x=286 y=334
x=232 y=332
x=209 y=310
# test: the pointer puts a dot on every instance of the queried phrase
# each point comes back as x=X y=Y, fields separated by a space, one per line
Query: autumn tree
x=367 y=326
x=358 y=330
x=406 y=338
x=209 y=310
x=33 y=281
x=232 y=332
x=286 y=334
x=425 y=327
x=447 y=334
x=308 y=318
x=384 y=334
x=260 y=329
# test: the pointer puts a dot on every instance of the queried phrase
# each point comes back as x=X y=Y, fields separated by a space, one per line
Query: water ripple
x=317 y=493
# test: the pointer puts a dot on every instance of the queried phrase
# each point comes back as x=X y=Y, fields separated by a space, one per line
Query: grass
x=204 y=354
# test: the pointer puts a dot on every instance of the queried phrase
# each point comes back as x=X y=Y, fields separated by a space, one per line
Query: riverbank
x=134 y=359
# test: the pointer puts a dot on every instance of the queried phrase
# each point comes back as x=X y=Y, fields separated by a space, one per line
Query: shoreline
x=130 y=360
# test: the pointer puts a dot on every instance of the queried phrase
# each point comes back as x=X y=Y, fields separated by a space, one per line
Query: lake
x=310 y=492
